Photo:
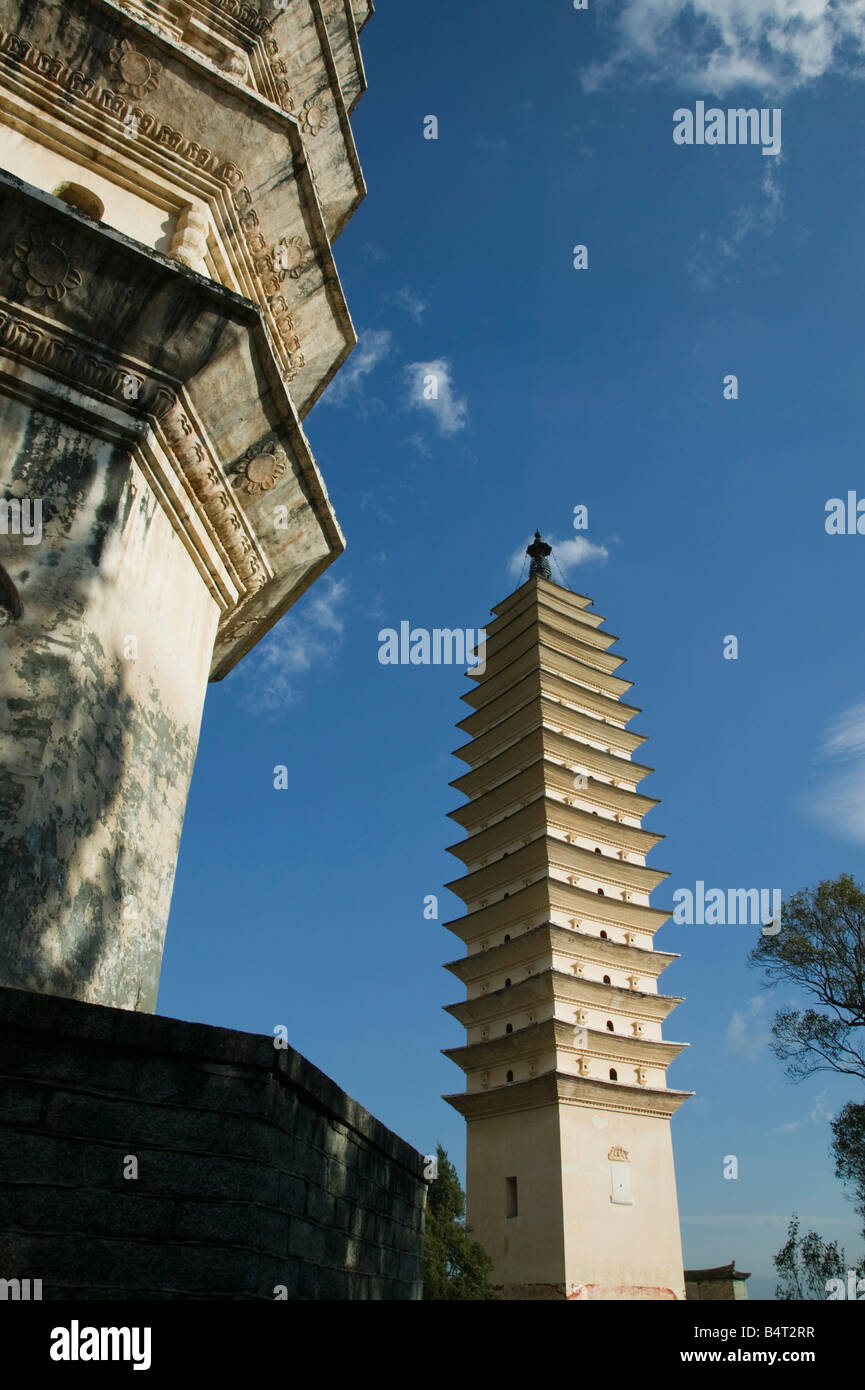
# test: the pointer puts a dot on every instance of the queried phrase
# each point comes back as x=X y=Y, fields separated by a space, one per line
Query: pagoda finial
x=540 y=566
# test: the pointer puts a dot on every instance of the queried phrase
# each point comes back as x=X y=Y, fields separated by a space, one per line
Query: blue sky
x=560 y=387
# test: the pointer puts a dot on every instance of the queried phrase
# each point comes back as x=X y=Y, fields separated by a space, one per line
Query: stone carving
x=136 y=70
x=189 y=242
x=618 y=1155
x=314 y=117
x=245 y=13
x=261 y=469
x=289 y=257
x=149 y=127
x=45 y=268
x=278 y=70
x=207 y=480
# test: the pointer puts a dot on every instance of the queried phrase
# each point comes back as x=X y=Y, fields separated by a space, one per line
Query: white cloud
x=717 y=45
x=566 y=554
x=308 y=636
x=788 y=1128
x=431 y=388
x=409 y=301
x=821 y=1112
x=837 y=803
x=712 y=258
x=748 y=1030
x=349 y=385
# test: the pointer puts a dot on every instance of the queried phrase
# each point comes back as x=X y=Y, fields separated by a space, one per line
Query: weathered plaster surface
x=103 y=678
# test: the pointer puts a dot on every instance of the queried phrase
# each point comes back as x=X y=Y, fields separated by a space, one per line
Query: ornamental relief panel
x=135 y=71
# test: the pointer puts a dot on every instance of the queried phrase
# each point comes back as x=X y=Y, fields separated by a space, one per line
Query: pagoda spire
x=538 y=551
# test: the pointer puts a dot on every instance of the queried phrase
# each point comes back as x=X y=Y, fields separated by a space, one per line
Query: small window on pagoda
x=509 y=1028
x=610 y=1028
x=601 y=892
x=510 y=1076
x=507 y=895
x=614 y=1075
x=74 y=195
x=603 y=936
x=511 y=1207
x=597 y=851
x=507 y=937
x=607 y=980
x=507 y=984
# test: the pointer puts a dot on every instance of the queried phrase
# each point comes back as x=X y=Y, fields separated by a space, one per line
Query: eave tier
x=574 y=678
x=543 y=777
x=582 y=663
x=556 y=1088
x=566 y=601
x=582 y=730
x=574 y=626
x=545 y=854
x=559 y=696
x=532 y=906
x=542 y=941
x=555 y=1035
x=576 y=758
x=570 y=990
x=545 y=815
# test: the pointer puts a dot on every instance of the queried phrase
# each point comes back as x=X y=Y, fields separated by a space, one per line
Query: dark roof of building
x=722 y=1272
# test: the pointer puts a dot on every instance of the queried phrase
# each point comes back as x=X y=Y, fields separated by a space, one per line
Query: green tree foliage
x=848 y=1150
x=821 y=949
x=806 y=1263
x=455 y=1266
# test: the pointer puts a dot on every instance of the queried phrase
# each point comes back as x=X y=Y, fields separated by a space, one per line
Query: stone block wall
x=257 y=1177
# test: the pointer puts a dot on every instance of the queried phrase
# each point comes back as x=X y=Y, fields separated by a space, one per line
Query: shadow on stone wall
x=82 y=757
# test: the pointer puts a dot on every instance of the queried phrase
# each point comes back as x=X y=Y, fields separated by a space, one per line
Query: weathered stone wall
x=103 y=683
x=255 y=1171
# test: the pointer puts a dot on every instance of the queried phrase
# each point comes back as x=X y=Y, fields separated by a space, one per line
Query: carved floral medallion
x=261 y=469
x=314 y=116
x=45 y=268
x=136 y=70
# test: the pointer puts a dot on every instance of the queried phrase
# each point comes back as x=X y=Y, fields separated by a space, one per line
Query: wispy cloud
x=713 y=259
x=406 y=299
x=717 y=45
x=821 y=1114
x=430 y=387
x=748 y=1031
x=349 y=387
x=418 y=442
x=837 y=804
x=567 y=554
x=308 y=636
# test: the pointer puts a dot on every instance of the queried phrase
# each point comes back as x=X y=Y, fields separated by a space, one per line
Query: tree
x=848 y=1150
x=455 y=1266
x=820 y=947
x=806 y=1264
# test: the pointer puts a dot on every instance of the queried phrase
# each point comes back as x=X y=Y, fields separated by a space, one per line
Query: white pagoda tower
x=570 y=1178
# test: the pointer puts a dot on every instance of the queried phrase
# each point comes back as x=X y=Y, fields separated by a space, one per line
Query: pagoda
x=570 y=1176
